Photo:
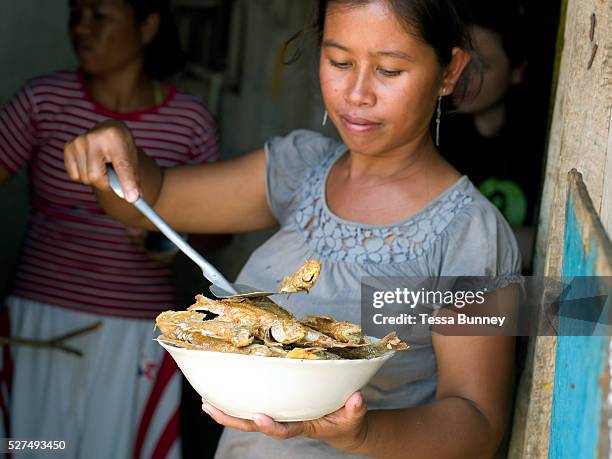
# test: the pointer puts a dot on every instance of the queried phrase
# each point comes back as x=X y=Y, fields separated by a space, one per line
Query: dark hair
x=442 y=24
x=163 y=56
x=507 y=18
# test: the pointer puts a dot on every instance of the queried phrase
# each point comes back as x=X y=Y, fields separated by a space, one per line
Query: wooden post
x=581 y=384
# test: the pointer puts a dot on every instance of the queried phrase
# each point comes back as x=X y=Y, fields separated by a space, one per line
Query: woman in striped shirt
x=77 y=265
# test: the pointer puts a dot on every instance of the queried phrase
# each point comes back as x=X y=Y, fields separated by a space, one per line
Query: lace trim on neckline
x=333 y=238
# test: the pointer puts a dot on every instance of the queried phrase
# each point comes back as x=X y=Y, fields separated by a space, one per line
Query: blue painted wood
x=578 y=395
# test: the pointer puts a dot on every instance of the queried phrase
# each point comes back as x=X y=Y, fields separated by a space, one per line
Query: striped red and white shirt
x=74 y=255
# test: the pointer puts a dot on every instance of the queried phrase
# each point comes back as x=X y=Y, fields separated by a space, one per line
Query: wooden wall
x=580 y=137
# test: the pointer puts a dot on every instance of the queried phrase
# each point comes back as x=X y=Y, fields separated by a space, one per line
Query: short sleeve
x=479 y=242
x=205 y=142
x=18 y=130
x=288 y=160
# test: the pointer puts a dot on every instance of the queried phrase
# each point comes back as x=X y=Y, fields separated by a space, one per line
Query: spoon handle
x=208 y=270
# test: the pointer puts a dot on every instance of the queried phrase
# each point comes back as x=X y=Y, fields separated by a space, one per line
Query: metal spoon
x=220 y=287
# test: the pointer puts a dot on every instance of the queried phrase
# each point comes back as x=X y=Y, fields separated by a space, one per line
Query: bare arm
x=224 y=197
x=469 y=416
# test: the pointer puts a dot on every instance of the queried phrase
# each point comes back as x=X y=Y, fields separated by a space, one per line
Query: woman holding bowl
x=382 y=203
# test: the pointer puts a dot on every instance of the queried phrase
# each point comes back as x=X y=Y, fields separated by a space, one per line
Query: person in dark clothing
x=488 y=134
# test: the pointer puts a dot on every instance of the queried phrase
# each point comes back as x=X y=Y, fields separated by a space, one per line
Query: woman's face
x=497 y=74
x=380 y=84
x=105 y=35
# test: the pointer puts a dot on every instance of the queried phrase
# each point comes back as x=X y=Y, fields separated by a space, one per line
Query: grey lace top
x=458 y=233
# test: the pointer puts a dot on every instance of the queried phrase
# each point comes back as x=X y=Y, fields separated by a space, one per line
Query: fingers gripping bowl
x=256 y=357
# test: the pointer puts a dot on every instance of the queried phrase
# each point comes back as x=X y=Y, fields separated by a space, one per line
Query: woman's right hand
x=218 y=198
x=110 y=141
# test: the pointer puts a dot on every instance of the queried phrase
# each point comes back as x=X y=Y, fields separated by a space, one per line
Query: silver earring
x=438 y=120
x=325 y=116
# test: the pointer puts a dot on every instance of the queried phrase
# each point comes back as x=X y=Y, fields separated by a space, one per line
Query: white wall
x=34 y=39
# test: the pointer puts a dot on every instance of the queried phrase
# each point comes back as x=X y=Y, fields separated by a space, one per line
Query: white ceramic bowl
x=284 y=389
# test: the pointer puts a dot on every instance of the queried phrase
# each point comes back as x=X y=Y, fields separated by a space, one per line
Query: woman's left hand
x=344 y=429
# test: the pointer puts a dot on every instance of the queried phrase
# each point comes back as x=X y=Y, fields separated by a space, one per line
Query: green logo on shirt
x=508 y=197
